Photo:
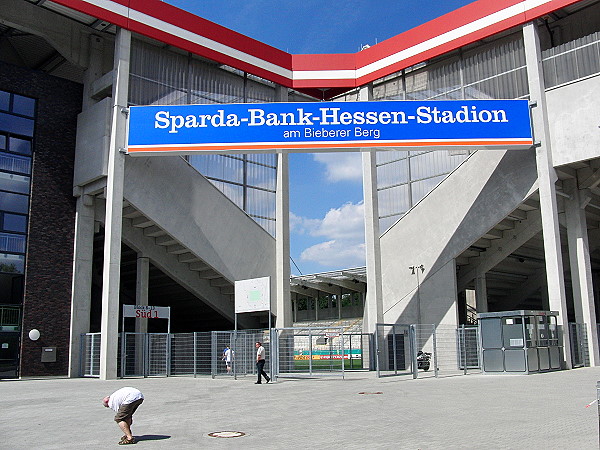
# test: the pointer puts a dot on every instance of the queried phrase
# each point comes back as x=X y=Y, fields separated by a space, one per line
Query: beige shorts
x=126 y=411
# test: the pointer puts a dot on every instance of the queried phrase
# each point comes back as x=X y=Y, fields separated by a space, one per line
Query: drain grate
x=370 y=393
x=226 y=434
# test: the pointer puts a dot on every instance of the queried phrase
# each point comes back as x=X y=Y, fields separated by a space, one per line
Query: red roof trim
x=307 y=72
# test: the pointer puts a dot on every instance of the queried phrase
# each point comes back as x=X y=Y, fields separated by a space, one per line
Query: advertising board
x=329 y=126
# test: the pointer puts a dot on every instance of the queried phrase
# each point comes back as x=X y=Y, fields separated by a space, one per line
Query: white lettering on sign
x=326 y=126
x=425 y=114
x=328 y=116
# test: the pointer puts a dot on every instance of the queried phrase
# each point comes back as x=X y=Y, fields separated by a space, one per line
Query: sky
x=326 y=194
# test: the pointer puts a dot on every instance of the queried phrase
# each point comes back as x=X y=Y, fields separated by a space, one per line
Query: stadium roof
x=324 y=75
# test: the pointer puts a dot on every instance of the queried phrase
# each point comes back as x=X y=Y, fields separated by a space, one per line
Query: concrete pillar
x=481 y=300
x=141 y=298
x=114 y=210
x=546 y=181
x=282 y=235
x=84 y=233
x=581 y=270
x=374 y=297
x=94 y=69
x=141 y=290
x=81 y=292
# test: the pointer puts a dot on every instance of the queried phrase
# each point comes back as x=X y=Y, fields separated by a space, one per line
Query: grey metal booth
x=519 y=341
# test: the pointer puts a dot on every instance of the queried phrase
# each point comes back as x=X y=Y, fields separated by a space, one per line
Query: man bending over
x=124 y=402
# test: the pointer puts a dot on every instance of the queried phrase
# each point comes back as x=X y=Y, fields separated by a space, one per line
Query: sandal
x=126 y=441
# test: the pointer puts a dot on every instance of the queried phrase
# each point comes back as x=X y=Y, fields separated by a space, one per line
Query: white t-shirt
x=123 y=396
x=260 y=353
x=227 y=354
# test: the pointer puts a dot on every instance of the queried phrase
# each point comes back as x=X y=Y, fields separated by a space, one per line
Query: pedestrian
x=260 y=363
x=124 y=402
x=227 y=357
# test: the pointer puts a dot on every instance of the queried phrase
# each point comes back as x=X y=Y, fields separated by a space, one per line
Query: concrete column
x=282 y=235
x=141 y=290
x=481 y=300
x=581 y=270
x=546 y=181
x=94 y=69
x=374 y=297
x=81 y=292
x=141 y=298
x=114 y=210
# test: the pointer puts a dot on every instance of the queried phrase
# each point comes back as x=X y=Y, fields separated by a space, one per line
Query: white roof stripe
x=430 y=44
x=343 y=74
x=209 y=43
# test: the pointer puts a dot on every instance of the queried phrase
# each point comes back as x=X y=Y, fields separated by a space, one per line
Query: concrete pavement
x=542 y=411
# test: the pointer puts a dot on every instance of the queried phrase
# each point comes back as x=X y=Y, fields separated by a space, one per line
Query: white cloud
x=303 y=225
x=347 y=222
x=342 y=166
x=339 y=254
x=343 y=229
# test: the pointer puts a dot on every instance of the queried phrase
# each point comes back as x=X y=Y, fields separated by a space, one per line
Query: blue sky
x=326 y=198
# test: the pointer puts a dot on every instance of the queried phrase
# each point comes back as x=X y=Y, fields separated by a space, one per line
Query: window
x=23 y=106
x=16 y=150
x=14 y=183
x=12 y=263
x=21 y=146
x=14 y=222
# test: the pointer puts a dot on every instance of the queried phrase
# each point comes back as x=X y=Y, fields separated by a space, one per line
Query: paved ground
x=543 y=411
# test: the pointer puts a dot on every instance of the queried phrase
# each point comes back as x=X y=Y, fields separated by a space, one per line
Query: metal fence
x=393 y=349
x=468 y=348
x=243 y=352
x=90 y=355
x=424 y=350
x=310 y=352
x=296 y=352
x=163 y=354
x=580 y=356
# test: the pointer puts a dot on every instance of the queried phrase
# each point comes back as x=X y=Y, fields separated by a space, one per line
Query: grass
x=324 y=364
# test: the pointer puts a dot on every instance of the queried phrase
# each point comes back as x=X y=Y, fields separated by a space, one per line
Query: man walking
x=124 y=402
x=260 y=363
x=227 y=357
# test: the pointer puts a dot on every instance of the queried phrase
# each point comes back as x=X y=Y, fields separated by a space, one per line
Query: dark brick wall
x=47 y=300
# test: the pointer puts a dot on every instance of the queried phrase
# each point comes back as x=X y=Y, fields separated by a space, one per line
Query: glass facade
x=495 y=70
x=572 y=61
x=491 y=71
x=163 y=77
x=17 y=120
x=346 y=305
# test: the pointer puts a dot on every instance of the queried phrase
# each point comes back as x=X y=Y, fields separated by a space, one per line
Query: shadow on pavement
x=152 y=437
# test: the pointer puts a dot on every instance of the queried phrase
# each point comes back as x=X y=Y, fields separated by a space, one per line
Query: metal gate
x=467 y=341
x=402 y=349
x=309 y=352
x=359 y=351
x=243 y=351
x=90 y=355
x=425 y=348
x=579 y=345
x=145 y=354
x=393 y=349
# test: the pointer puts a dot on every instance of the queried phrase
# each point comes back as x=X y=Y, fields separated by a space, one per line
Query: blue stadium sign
x=329 y=126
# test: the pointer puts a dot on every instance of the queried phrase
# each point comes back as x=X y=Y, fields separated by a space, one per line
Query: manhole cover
x=370 y=393
x=226 y=434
